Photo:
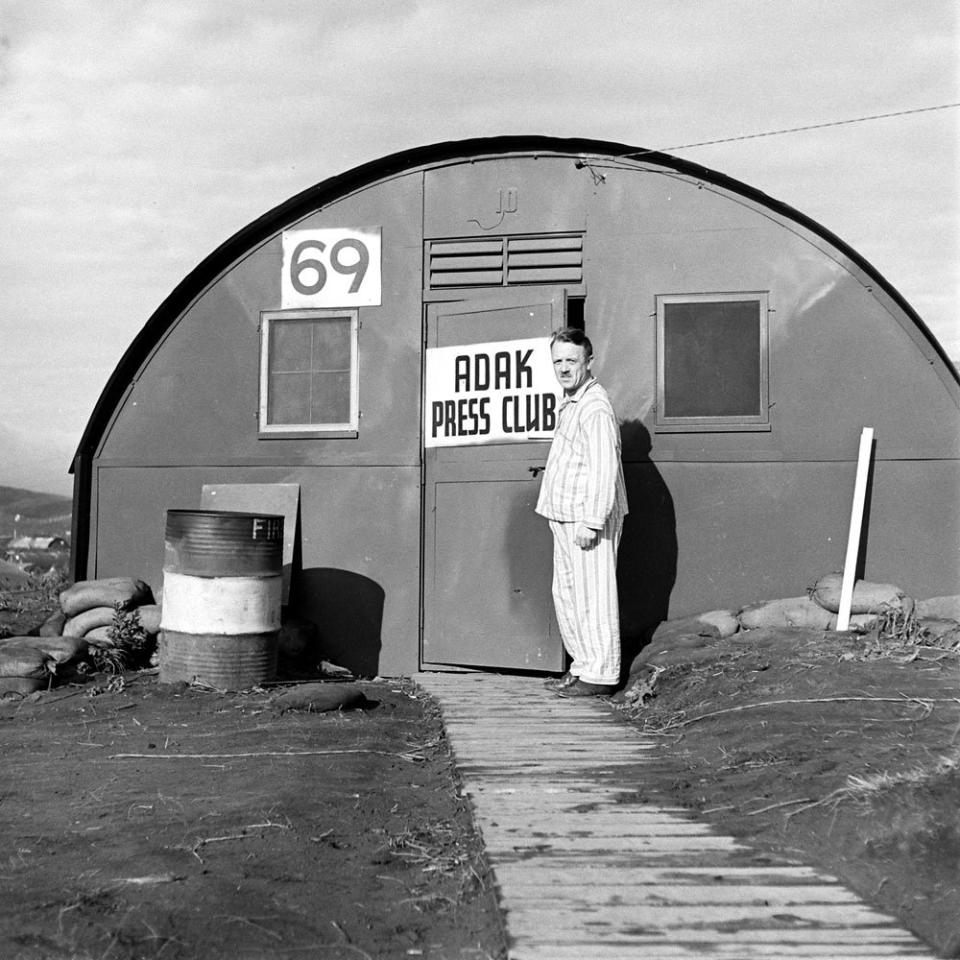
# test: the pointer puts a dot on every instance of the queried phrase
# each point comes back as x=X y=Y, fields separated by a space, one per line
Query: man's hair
x=575 y=336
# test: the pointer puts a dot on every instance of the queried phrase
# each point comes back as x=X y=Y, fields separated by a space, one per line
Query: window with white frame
x=712 y=370
x=308 y=373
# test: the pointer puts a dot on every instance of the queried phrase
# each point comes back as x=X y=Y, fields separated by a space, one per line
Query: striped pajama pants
x=585 y=599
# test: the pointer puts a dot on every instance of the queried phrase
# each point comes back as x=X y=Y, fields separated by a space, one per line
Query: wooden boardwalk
x=585 y=872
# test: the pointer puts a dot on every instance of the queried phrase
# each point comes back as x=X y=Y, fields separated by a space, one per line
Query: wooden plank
x=559 y=873
x=561 y=926
x=529 y=949
x=717 y=862
x=697 y=938
x=512 y=768
x=631 y=893
x=804 y=919
x=595 y=750
x=585 y=872
x=624 y=844
x=563 y=791
x=613 y=824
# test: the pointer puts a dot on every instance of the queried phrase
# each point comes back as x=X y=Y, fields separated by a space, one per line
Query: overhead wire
x=786 y=130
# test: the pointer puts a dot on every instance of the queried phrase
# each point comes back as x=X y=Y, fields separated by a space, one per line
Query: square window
x=712 y=362
x=308 y=373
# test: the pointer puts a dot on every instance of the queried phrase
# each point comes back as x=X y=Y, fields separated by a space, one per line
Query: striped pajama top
x=583 y=479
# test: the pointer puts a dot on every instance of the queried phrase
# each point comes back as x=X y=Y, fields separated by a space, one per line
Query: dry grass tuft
x=868 y=787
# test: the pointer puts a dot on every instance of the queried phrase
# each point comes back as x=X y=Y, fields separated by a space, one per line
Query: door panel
x=491 y=601
x=487 y=556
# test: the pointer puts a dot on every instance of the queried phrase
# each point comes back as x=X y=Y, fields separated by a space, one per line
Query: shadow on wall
x=647 y=561
x=347 y=609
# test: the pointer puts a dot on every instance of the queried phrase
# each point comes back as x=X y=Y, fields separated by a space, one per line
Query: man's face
x=571 y=365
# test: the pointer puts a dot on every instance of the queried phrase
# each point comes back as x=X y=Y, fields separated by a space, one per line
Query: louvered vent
x=504 y=261
x=466 y=263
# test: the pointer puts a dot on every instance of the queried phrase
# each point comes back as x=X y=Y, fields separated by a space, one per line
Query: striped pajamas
x=586 y=602
x=583 y=484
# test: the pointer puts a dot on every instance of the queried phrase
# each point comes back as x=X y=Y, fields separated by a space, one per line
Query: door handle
x=536 y=471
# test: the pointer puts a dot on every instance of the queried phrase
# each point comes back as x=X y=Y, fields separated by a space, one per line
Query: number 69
x=300 y=264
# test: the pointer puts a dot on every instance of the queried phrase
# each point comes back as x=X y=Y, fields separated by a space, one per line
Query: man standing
x=584 y=498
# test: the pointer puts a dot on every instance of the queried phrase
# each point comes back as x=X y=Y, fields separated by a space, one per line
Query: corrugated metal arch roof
x=328 y=190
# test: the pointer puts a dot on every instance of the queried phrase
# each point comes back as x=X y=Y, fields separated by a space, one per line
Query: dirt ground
x=149 y=821
x=143 y=820
x=836 y=749
x=152 y=821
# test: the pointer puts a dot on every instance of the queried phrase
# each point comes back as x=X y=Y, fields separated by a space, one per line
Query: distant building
x=38 y=543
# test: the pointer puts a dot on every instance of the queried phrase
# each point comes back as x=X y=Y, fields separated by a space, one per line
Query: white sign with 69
x=331 y=267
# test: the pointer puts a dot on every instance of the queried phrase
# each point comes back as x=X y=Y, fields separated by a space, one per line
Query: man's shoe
x=580 y=688
x=560 y=683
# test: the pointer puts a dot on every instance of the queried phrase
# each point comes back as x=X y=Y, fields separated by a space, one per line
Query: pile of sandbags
x=85 y=619
x=818 y=608
x=694 y=639
x=88 y=609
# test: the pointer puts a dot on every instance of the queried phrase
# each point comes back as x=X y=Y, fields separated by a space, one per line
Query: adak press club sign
x=500 y=392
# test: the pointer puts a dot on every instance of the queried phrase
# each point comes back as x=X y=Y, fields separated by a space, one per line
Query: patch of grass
x=868 y=787
x=50 y=585
x=129 y=645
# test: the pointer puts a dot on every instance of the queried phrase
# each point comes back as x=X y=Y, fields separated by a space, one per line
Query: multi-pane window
x=712 y=361
x=308 y=372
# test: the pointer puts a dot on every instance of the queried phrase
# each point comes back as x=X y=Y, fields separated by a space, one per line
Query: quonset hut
x=377 y=344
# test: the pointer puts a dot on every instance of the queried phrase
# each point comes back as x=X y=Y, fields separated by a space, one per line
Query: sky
x=137 y=135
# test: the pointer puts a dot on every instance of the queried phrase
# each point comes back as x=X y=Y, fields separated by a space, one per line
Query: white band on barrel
x=221 y=605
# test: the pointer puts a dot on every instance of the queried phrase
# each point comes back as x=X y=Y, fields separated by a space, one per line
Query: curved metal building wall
x=722 y=513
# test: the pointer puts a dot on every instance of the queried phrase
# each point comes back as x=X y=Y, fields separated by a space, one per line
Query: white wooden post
x=856 y=526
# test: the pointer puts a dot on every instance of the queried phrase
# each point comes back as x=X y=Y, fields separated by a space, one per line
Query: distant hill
x=40 y=514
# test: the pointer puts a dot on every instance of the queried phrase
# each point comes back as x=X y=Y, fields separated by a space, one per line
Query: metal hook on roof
x=598 y=178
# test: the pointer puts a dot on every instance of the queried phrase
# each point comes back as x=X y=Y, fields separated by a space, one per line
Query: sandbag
x=53 y=625
x=19 y=659
x=103 y=635
x=725 y=622
x=867 y=597
x=22 y=686
x=58 y=649
x=86 y=594
x=83 y=623
x=100 y=637
x=664 y=644
x=320 y=697
x=714 y=623
x=939 y=608
x=787 y=612
x=150 y=618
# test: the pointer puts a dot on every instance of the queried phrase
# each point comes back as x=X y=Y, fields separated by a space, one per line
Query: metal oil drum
x=222 y=598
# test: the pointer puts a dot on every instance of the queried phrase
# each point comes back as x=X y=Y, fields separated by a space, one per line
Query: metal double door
x=487 y=557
